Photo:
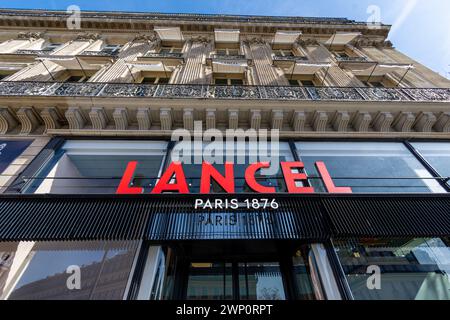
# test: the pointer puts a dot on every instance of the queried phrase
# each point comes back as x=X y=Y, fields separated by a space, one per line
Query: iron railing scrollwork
x=244 y=92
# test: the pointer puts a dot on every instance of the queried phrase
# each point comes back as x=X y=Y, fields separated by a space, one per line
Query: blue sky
x=415 y=22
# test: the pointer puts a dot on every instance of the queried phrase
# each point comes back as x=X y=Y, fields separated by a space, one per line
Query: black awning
x=172 y=217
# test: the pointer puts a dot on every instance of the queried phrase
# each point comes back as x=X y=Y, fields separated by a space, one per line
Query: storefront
x=64 y=213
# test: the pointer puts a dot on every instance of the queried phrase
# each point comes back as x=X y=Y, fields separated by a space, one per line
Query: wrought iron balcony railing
x=102 y=53
x=174 y=55
x=351 y=59
x=34 y=52
x=228 y=57
x=235 y=92
x=289 y=58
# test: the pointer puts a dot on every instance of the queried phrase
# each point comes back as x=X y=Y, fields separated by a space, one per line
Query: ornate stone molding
x=320 y=121
x=144 y=119
x=255 y=119
x=404 y=121
x=210 y=118
x=425 y=122
x=233 y=119
x=443 y=122
x=362 y=121
x=165 y=116
x=30 y=35
x=120 y=116
x=144 y=37
x=299 y=121
x=383 y=121
x=51 y=118
x=277 y=119
x=28 y=119
x=340 y=121
x=87 y=36
x=188 y=118
x=98 y=118
x=75 y=118
x=7 y=120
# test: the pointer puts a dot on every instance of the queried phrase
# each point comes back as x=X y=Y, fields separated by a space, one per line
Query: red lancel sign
x=174 y=179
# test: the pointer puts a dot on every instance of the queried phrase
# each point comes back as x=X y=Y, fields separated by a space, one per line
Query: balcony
x=188 y=91
x=34 y=52
x=351 y=59
x=289 y=58
x=102 y=53
x=227 y=57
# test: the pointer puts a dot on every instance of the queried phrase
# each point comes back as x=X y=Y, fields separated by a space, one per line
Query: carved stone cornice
x=147 y=37
x=205 y=40
x=303 y=42
x=87 y=36
x=7 y=120
x=255 y=41
x=30 y=35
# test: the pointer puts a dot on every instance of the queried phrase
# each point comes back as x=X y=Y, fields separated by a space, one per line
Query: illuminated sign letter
x=251 y=180
x=164 y=184
x=124 y=186
x=226 y=182
x=291 y=178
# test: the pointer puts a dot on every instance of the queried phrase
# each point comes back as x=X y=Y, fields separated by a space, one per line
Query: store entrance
x=235 y=281
x=244 y=270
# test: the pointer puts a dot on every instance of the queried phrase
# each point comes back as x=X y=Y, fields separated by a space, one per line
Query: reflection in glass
x=210 y=281
x=242 y=156
x=96 y=167
x=261 y=281
x=417 y=269
x=44 y=271
x=302 y=278
x=437 y=154
x=370 y=167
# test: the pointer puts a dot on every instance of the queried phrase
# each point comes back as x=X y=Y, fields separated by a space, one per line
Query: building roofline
x=187 y=17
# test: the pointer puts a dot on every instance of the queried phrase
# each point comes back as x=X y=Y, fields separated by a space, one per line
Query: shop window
x=368 y=167
x=437 y=154
x=96 y=167
x=10 y=150
x=261 y=281
x=66 y=270
x=243 y=154
x=416 y=269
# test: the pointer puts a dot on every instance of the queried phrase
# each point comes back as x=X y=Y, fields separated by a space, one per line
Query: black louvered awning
x=172 y=217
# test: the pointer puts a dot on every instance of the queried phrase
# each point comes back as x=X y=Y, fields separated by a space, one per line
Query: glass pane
x=242 y=156
x=370 y=167
x=302 y=278
x=221 y=81
x=51 y=271
x=210 y=281
x=94 y=167
x=237 y=82
x=437 y=154
x=261 y=281
x=416 y=269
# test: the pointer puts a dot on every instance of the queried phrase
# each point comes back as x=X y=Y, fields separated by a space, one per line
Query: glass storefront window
x=261 y=281
x=437 y=154
x=210 y=281
x=302 y=277
x=244 y=154
x=416 y=269
x=65 y=270
x=96 y=167
x=368 y=167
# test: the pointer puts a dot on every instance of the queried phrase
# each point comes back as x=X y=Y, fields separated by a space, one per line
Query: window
x=368 y=167
x=227 y=52
x=77 y=79
x=51 y=47
x=437 y=154
x=229 y=82
x=111 y=49
x=155 y=80
x=41 y=270
x=96 y=167
x=374 y=84
x=414 y=269
x=170 y=50
x=241 y=155
x=341 y=54
x=303 y=83
x=284 y=53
